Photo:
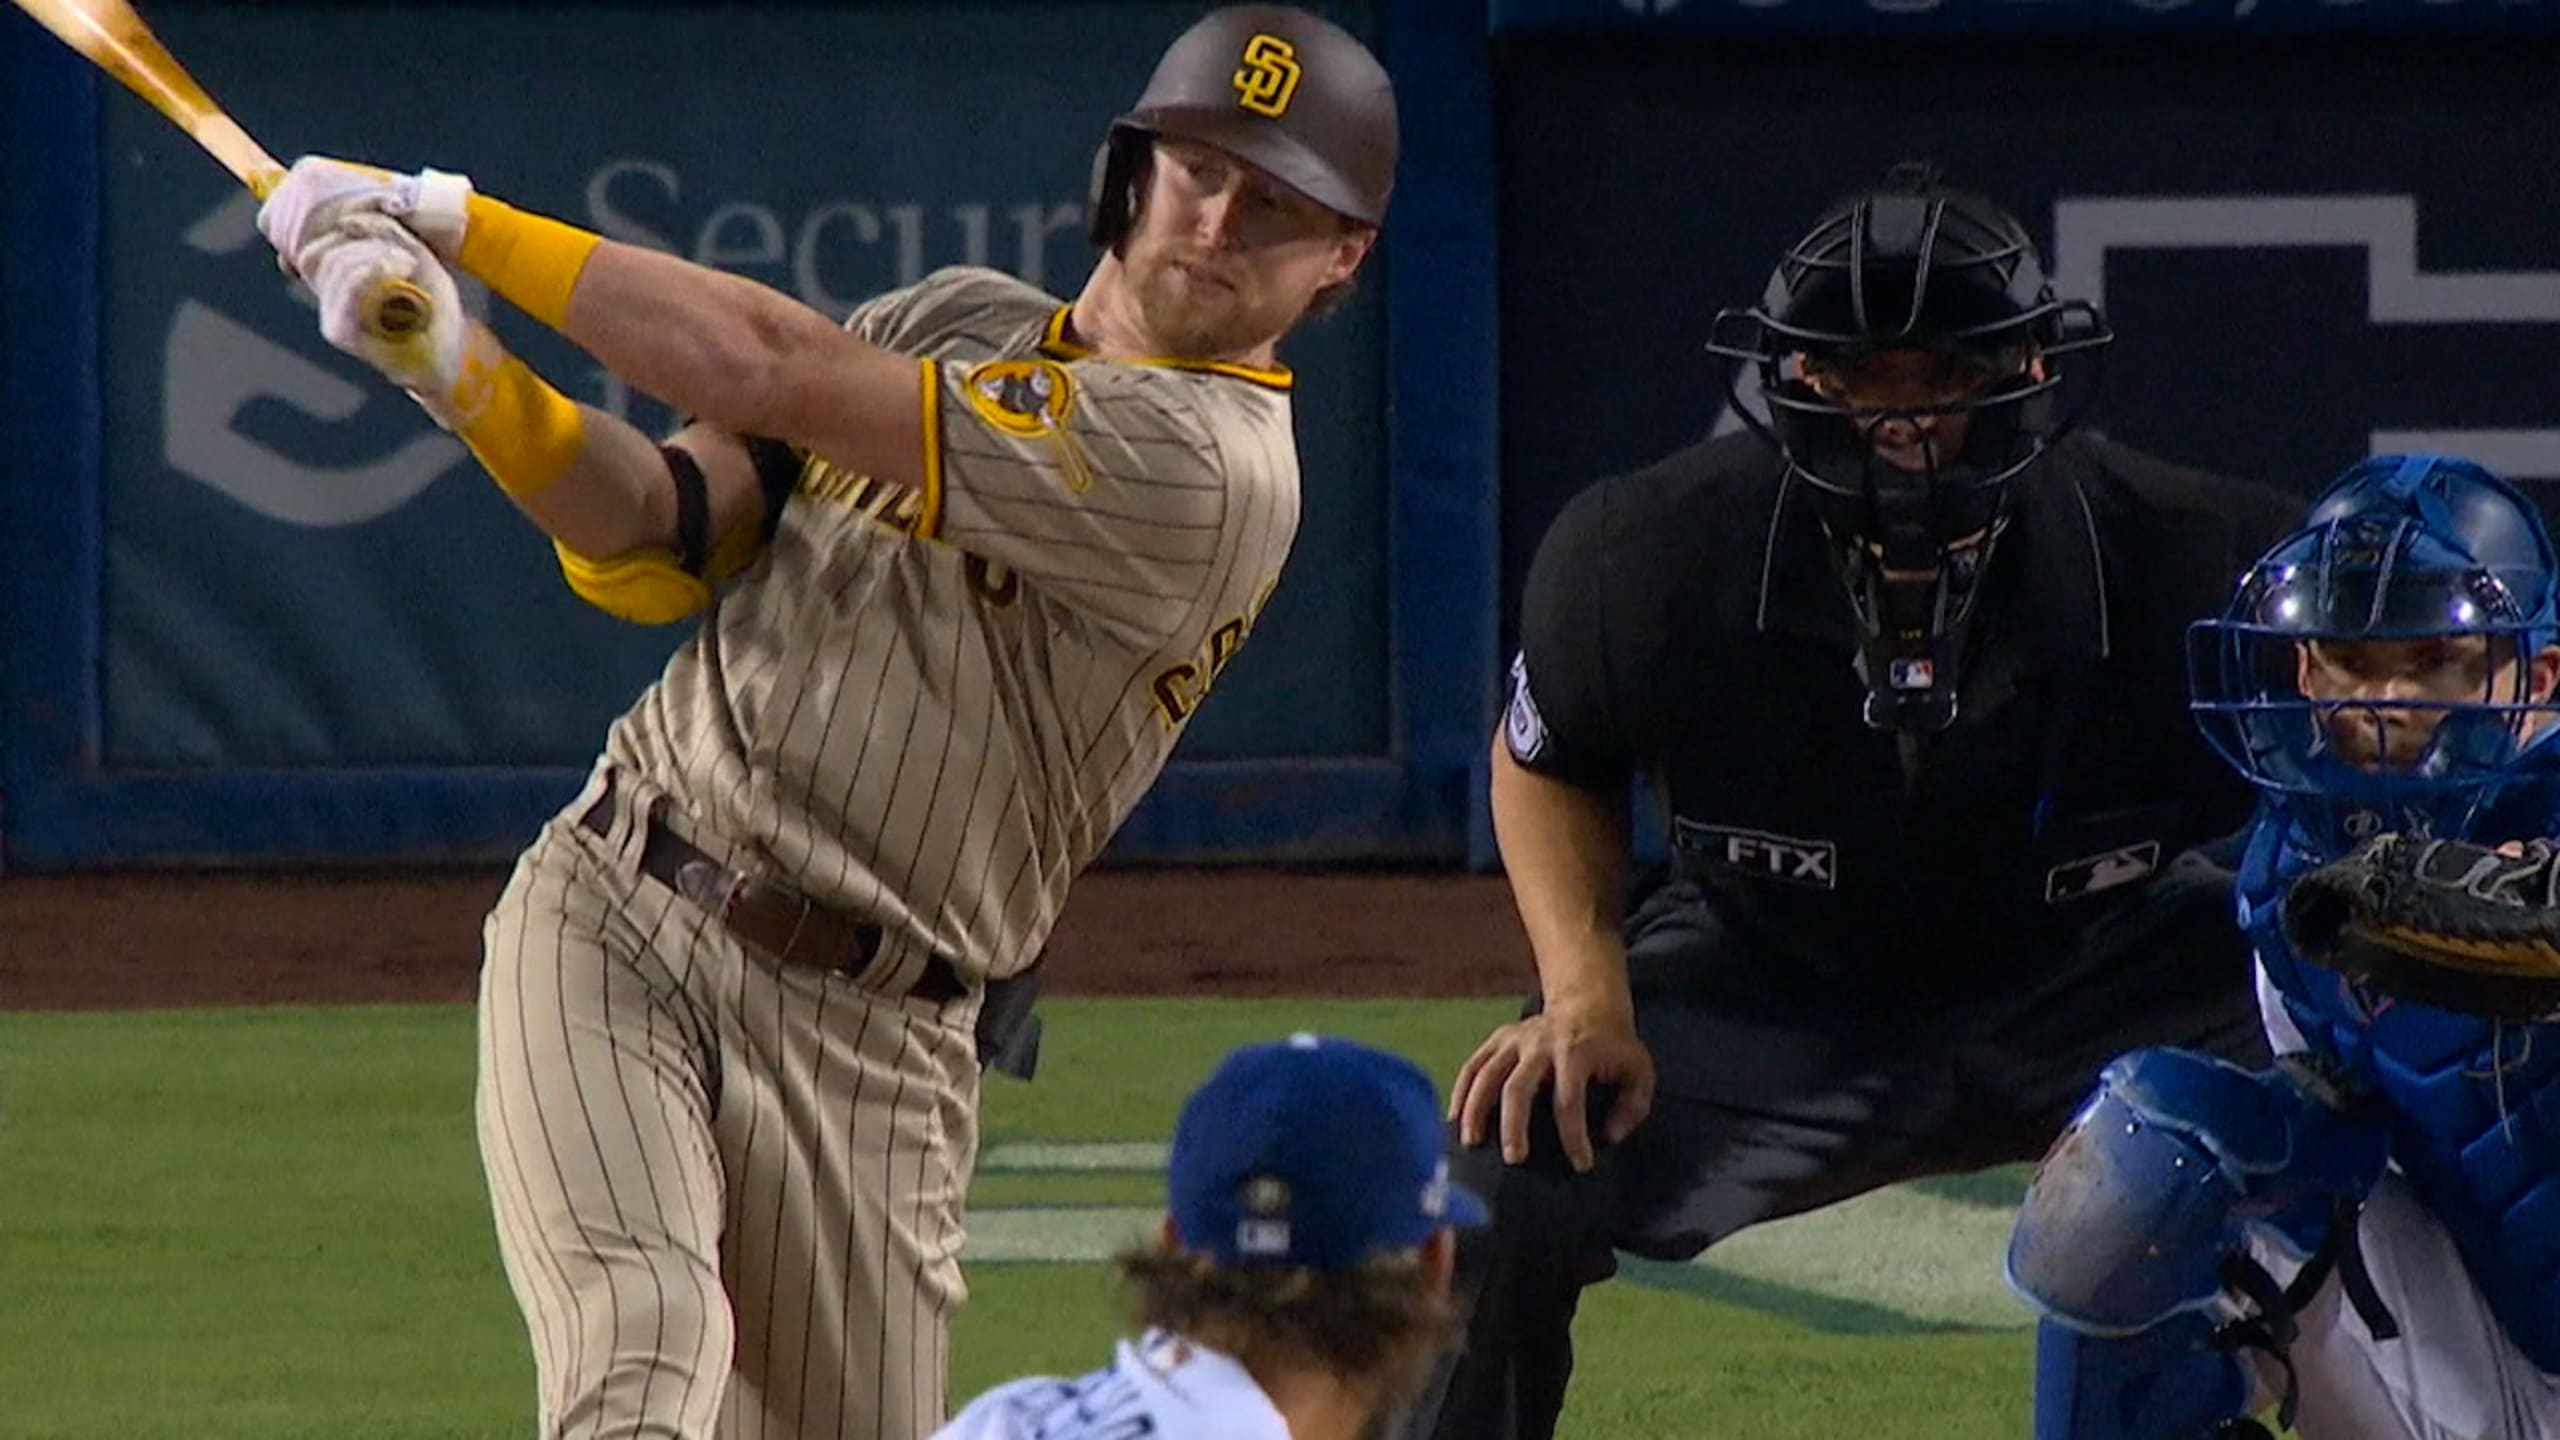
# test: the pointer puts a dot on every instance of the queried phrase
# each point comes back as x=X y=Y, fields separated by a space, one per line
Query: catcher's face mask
x=2380 y=671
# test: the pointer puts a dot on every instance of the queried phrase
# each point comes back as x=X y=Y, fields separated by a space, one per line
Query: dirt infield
x=104 y=941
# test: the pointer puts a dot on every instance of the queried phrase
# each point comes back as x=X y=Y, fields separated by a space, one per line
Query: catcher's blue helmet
x=2400 y=548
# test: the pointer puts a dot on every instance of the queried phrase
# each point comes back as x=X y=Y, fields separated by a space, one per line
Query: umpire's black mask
x=1910 y=355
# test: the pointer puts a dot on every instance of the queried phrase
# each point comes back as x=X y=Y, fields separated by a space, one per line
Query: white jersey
x=1159 y=1388
x=2450 y=1374
x=931 y=704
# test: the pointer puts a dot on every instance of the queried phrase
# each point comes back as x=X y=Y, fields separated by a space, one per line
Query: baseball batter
x=970 y=562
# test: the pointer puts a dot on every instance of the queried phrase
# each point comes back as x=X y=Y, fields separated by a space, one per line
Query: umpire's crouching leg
x=1519 y=1281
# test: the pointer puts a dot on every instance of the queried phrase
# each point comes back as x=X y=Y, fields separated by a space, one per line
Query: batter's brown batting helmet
x=1289 y=92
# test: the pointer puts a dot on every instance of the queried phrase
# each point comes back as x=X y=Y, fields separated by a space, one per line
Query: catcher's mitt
x=2444 y=923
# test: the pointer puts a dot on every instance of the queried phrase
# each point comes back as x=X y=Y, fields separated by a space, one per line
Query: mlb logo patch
x=2096 y=874
x=1911 y=674
x=1263 y=1239
x=1435 y=1194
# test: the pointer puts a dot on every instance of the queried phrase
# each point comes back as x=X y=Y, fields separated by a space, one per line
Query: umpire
x=1905 y=669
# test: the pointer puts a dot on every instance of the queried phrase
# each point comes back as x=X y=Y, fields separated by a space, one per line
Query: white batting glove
x=318 y=193
x=349 y=265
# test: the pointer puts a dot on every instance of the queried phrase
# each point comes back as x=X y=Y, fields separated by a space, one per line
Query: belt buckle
x=867 y=952
x=711 y=886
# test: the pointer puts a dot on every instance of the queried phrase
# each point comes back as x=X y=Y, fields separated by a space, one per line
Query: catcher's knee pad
x=2136 y=1215
x=2132 y=1243
x=2174 y=1381
x=2133 y=1211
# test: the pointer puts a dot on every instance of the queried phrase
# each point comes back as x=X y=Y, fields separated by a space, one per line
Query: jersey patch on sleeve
x=1021 y=397
x=1030 y=399
x=1523 y=728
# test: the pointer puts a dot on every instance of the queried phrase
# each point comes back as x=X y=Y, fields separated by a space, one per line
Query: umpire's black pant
x=1775 y=1096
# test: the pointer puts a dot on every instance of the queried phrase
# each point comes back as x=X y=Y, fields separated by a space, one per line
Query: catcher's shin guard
x=2175 y=1381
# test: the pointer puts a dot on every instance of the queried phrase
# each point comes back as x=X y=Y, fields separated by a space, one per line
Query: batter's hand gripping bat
x=114 y=39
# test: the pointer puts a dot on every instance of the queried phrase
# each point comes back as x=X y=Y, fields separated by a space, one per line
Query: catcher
x=2366 y=1237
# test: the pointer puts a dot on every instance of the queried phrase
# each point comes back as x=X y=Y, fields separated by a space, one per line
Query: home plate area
x=1912 y=1257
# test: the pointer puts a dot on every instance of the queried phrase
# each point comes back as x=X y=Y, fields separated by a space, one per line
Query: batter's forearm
x=642 y=530
x=1566 y=852
x=718 y=347
x=583 y=476
x=614 y=497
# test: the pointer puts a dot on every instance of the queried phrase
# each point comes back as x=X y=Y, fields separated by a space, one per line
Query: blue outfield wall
x=260 y=611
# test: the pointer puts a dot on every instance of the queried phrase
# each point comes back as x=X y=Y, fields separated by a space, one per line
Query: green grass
x=270 y=1223
x=1119 y=1068
x=248 y=1223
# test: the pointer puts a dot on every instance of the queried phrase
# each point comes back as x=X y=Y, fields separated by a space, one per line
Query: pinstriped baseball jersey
x=935 y=701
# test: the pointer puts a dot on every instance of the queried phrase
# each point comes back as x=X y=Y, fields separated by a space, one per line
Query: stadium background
x=282 y=680
x=258 y=610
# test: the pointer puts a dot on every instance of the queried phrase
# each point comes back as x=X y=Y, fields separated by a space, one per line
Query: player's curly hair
x=1376 y=1322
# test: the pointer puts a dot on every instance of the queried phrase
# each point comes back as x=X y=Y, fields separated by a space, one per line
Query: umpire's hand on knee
x=1554 y=1058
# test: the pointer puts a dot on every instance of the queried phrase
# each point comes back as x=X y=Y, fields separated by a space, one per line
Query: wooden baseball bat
x=115 y=40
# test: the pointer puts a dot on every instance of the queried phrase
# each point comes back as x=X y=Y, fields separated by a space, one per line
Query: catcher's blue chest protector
x=2473 y=1105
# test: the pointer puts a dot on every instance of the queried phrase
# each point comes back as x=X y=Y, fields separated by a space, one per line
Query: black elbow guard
x=693 y=510
x=778 y=469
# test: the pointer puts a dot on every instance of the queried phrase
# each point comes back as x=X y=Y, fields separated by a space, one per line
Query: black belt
x=774 y=918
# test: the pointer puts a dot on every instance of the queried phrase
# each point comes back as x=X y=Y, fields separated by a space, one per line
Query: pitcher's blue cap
x=1312 y=1151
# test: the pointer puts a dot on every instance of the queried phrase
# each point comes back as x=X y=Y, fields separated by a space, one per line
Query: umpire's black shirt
x=1687 y=623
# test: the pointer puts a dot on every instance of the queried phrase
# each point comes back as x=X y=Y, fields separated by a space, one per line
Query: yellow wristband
x=525 y=433
x=532 y=260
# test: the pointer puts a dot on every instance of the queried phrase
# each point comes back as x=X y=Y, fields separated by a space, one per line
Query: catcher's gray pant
x=1776 y=1094
x=728 y=1192
x=2450 y=1374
